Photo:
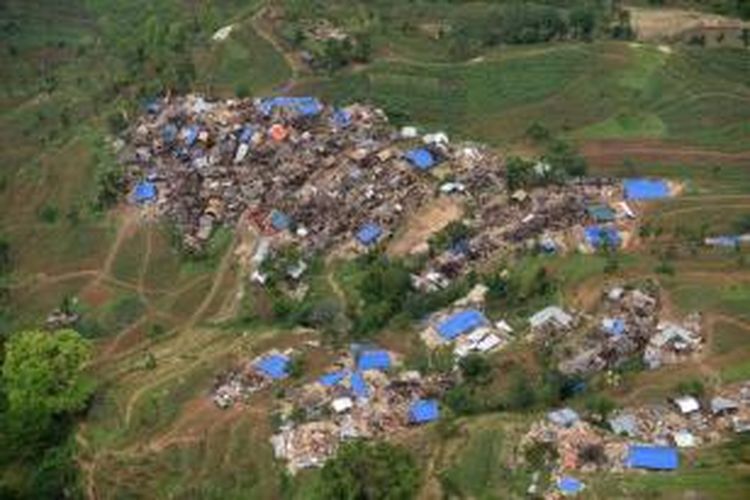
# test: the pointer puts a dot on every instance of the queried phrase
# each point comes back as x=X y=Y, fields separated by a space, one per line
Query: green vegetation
x=43 y=388
x=370 y=471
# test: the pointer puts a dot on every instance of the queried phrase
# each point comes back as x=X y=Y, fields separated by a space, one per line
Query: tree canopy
x=43 y=374
x=364 y=471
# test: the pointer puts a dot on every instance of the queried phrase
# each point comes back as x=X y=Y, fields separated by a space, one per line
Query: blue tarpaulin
x=280 y=221
x=169 y=132
x=374 y=360
x=274 y=366
x=303 y=106
x=341 y=118
x=652 y=457
x=144 y=191
x=614 y=326
x=153 y=106
x=358 y=385
x=421 y=158
x=191 y=134
x=422 y=411
x=598 y=236
x=724 y=241
x=333 y=378
x=247 y=133
x=460 y=323
x=369 y=233
x=645 y=189
x=569 y=485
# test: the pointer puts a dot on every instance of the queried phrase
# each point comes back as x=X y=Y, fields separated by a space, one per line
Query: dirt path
x=261 y=25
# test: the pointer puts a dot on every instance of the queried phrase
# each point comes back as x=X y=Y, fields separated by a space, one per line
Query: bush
x=370 y=471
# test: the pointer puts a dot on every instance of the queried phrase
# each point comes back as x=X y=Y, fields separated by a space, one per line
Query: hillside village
x=374 y=249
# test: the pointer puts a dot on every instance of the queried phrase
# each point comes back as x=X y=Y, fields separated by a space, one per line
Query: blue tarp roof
x=423 y=410
x=421 y=158
x=191 y=134
x=569 y=485
x=341 y=118
x=652 y=457
x=279 y=220
x=304 y=106
x=598 y=236
x=169 y=132
x=374 y=360
x=358 y=385
x=369 y=233
x=333 y=378
x=645 y=189
x=144 y=191
x=274 y=366
x=460 y=323
x=725 y=241
x=614 y=326
x=247 y=133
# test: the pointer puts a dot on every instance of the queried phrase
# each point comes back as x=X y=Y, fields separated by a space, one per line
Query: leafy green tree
x=43 y=376
x=476 y=369
x=519 y=173
x=370 y=471
x=563 y=157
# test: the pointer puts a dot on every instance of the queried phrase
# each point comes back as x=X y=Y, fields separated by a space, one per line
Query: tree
x=519 y=173
x=583 y=21
x=476 y=369
x=43 y=376
x=563 y=157
x=369 y=471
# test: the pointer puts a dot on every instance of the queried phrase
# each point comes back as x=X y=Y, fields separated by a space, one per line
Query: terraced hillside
x=73 y=74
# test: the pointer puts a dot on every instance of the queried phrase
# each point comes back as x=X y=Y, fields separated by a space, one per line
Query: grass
x=594 y=91
x=244 y=62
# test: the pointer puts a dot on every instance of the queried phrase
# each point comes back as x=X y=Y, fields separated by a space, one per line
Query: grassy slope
x=587 y=91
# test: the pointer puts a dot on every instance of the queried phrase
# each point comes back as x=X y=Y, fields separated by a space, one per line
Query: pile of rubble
x=319 y=176
x=257 y=374
x=685 y=423
x=292 y=165
x=360 y=397
x=629 y=324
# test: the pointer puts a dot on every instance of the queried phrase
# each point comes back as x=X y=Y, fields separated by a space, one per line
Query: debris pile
x=320 y=176
x=685 y=423
x=255 y=375
x=361 y=396
x=629 y=324
x=315 y=173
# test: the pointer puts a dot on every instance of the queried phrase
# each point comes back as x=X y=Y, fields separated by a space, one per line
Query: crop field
x=159 y=320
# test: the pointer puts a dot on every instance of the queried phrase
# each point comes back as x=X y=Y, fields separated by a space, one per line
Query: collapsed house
x=360 y=397
x=628 y=324
x=645 y=437
x=253 y=376
x=319 y=176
